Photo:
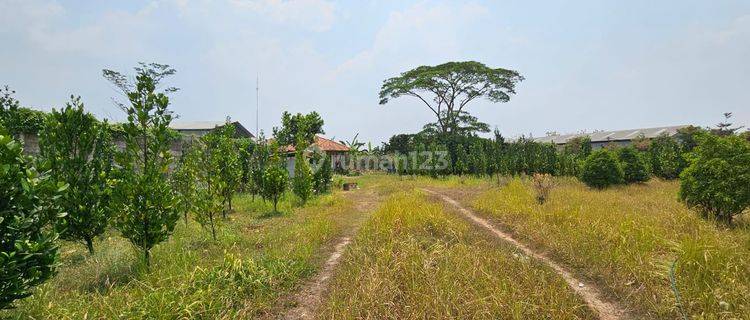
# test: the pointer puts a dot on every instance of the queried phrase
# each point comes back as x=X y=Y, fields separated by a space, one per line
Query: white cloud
x=315 y=15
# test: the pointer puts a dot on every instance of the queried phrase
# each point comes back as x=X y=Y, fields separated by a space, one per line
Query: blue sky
x=588 y=64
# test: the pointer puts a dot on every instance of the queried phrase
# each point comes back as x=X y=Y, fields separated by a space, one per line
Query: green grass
x=258 y=258
x=625 y=238
x=413 y=260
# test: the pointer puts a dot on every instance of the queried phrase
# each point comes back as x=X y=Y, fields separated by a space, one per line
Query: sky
x=589 y=65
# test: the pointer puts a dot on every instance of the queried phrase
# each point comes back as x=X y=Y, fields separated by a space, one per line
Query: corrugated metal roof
x=619 y=135
x=196 y=125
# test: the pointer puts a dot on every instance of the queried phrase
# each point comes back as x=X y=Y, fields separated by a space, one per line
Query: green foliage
x=717 y=181
x=210 y=185
x=79 y=150
x=447 y=88
x=322 y=178
x=601 y=170
x=184 y=178
x=302 y=183
x=478 y=159
x=298 y=127
x=146 y=202
x=245 y=147
x=18 y=119
x=275 y=180
x=28 y=247
x=579 y=146
x=666 y=157
x=688 y=137
x=633 y=165
x=227 y=156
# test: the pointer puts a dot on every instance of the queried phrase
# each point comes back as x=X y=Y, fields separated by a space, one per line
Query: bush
x=28 y=250
x=302 y=181
x=666 y=157
x=275 y=180
x=79 y=150
x=634 y=167
x=323 y=176
x=601 y=170
x=718 y=178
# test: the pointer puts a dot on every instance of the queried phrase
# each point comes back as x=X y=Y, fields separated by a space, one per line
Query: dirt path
x=592 y=295
x=312 y=292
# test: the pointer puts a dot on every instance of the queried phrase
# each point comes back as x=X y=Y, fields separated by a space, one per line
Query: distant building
x=201 y=128
x=338 y=152
x=619 y=137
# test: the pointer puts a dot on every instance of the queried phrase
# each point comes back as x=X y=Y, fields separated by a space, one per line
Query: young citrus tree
x=227 y=157
x=717 y=181
x=209 y=185
x=184 y=178
x=666 y=157
x=79 y=150
x=302 y=180
x=633 y=165
x=147 y=204
x=323 y=177
x=275 y=180
x=28 y=246
x=601 y=170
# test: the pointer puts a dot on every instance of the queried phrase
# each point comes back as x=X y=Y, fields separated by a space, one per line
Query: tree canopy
x=298 y=128
x=447 y=88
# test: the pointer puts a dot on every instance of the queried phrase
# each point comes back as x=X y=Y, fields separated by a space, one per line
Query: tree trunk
x=213 y=229
x=230 y=204
x=90 y=245
x=147 y=258
x=224 y=208
x=186 y=222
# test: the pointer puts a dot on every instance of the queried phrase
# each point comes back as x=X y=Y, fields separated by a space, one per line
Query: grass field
x=414 y=260
x=258 y=257
x=626 y=238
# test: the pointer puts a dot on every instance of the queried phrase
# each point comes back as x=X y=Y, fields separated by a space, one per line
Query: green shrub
x=634 y=167
x=601 y=170
x=275 y=180
x=302 y=180
x=323 y=176
x=666 y=157
x=79 y=150
x=28 y=246
x=717 y=181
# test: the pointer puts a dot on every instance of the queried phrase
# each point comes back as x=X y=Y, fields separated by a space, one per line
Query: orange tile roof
x=322 y=143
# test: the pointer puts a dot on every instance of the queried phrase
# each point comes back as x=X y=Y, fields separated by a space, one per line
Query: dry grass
x=413 y=260
x=626 y=238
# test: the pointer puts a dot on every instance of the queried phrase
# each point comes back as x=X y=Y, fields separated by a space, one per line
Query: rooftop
x=619 y=135
x=207 y=125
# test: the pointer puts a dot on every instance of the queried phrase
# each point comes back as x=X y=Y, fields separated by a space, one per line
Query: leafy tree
x=79 y=150
x=18 y=119
x=447 y=89
x=666 y=157
x=302 y=180
x=260 y=158
x=633 y=165
x=147 y=203
x=579 y=146
x=687 y=137
x=465 y=124
x=478 y=159
x=227 y=156
x=717 y=179
x=275 y=180
x=185 y=176
x=28 y=246
x=323 y=177
x=725 y=128
x=210 y=183
x=246 y=153
x=298 y=126
x=601 y=170
x=401 y=143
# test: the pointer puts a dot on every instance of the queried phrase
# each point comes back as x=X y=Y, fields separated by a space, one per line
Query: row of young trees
x=81 y=184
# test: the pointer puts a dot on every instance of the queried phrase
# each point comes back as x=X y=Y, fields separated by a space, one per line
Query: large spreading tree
x=447 y=89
